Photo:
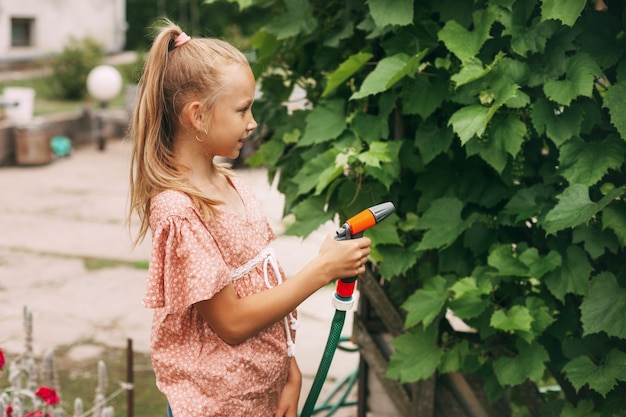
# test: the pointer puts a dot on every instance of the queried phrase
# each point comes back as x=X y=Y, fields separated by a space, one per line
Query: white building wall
x=56 y=21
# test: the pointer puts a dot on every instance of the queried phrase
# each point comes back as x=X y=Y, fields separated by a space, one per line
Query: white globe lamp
x=104 y=83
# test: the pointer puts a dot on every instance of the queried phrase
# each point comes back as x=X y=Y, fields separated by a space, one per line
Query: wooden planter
x=376 y=322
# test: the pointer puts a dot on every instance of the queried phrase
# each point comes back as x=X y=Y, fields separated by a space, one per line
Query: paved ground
x=54 y=216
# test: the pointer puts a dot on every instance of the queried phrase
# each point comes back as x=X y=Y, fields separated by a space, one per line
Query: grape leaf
x=580 y=74
x=416 y=356
x=444 y=223
x=614 y=218
x=572 y=276
x=575 y=207
x=567 y=11
x=325 y=122
x=505 y=260
x=602 y=377
x=559 y=124
x=528 y=364
x=466 y=44
x=584 y=408
x=604 y=307
x=347 y=68
x=297 y=20
x=310 y=214
x=615 y=101
x=516 y=318
x=469 y=121
x=539 y=265
x=586 y=163
x=425 y=304
x=391 y=12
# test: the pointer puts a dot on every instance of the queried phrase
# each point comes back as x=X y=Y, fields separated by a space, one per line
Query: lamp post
x=104 y=83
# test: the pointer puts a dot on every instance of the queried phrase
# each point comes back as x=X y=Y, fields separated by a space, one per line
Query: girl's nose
x=252 y=125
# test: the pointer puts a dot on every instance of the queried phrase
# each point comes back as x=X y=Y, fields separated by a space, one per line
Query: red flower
x=8 y=412
x=1 y=359
x=49 y=396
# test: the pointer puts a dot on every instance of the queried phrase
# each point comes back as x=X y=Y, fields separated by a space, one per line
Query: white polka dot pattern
x=191 y=261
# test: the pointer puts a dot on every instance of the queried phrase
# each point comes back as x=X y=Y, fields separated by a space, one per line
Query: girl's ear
x=194 y=116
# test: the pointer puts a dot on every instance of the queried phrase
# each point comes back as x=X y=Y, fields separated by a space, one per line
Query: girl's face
x=231 y=117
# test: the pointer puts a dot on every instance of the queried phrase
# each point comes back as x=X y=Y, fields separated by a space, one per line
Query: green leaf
x=444 y=223
x=424 y=305
x=268 y=154
x=466 y=44
x=506 y=137
x=614 y=218
x=467 y=301
x=378 y=152
x=516 y=318
x=297 y=20
x=567 y=11
x=572 y=276
x=524 y=204
x=586 y=163
x=530 y=38
x=542 y=316
x=559 y=124
x=602 y=377
x=388 y=71
x=452 y=359
x=416 y=356
x=325 y=122
x=615 y=101
x=431 y=140
x=580 y=73
x=326 y=176
x=539 y=265
x=347 y=68
x=505 y=260
x=371 y=128
x=469 y=121
x=396 y=259
x=596 y=242
x=604 y=308
x=423 y=96
x=528 y=364
x=308 y=177
x=575 y=207
x=584 y=408
x=391 y=12
x=385 y=233
x=310 y=215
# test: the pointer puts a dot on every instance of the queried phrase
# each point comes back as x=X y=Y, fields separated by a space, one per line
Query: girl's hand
x=288 y=401
x=344 y=258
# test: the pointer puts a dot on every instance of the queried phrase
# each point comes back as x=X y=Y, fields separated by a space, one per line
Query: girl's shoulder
x=171 y=203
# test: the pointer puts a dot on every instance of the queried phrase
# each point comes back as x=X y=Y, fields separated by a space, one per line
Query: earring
x=201 y=140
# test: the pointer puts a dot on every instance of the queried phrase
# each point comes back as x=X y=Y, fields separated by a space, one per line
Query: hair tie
x=181 y=39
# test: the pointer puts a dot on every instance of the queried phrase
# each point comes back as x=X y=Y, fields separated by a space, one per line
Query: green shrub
x=71 y=67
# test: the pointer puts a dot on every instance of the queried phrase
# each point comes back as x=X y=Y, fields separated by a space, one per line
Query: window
x=22 y=31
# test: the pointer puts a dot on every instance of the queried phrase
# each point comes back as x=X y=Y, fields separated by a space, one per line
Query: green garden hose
x=329 y=351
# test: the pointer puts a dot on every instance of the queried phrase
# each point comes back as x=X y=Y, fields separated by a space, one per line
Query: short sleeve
x=186 y=265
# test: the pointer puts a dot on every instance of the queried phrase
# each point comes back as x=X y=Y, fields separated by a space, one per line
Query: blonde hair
x=172 y=77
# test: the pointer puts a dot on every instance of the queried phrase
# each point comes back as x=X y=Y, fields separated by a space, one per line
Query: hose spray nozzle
x=357 y=224
x=354 y=228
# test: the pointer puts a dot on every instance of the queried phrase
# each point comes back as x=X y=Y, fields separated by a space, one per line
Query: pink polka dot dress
x=191 y=261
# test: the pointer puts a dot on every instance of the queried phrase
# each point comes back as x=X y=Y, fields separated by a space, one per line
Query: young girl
x=222 y=336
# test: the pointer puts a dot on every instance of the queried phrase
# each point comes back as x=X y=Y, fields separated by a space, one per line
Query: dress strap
x=268 y=257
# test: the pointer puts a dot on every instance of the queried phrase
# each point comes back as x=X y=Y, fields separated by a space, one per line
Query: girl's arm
x=288 y=401
x=238 y=319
